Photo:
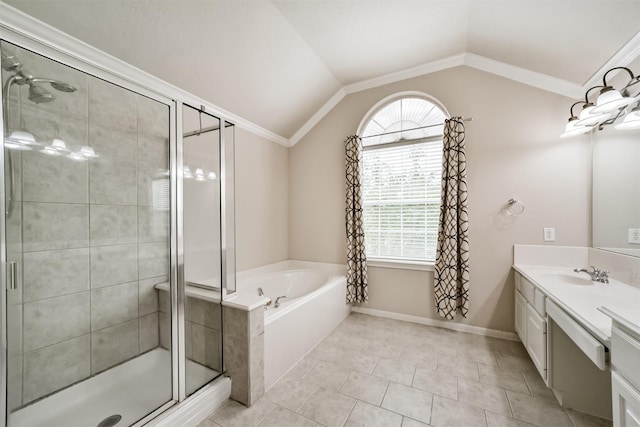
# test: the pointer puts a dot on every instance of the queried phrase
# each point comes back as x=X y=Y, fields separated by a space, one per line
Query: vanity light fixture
x=631 y=120
x=610 y=105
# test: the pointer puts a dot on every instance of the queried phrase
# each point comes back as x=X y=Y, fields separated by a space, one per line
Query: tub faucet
x=599 y=276
x=278 y=301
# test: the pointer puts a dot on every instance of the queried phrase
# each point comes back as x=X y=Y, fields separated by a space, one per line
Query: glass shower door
x=87 y=246
x=202 y=247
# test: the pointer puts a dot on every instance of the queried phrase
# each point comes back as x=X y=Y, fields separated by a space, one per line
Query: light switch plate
x=634 y=236
x=549 y=234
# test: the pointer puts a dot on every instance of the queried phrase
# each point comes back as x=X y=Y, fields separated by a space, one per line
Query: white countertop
x=581 y=298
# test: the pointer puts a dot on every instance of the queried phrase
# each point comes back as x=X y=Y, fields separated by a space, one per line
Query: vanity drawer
x=539 y=302
x=527 y=289
x=625 y=355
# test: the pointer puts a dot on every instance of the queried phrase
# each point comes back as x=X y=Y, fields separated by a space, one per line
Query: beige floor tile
x=328 y=375
x=359 y=360
x=408 y=401
x=417 y=355
x=515 y=363
x=301 y=368
x=537 y=411
x=497 y=420
x=365 y=415
x=395 y=370
x=329 y=352
x=207 y=423
x=291 y=394
x=486 y=357
x=365 y=387
x=408 y=422
x=585 y=420
x=233 y=414
x=383 y=348
x=436 y=382
x=281 y=417
x=537 y=387
x=458 y=366
x=328 y=407
x=489 y=397
x=450 y=413
x=510 y=380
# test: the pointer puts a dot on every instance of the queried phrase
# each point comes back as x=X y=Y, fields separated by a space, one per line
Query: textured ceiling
x=277 y=62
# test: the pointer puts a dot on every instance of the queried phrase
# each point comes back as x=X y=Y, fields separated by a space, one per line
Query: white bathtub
x=315 y=304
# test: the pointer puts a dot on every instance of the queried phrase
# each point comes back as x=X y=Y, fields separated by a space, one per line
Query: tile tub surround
x=89 y=238
x=244 y=352
x=203 y=330
x=358 y=376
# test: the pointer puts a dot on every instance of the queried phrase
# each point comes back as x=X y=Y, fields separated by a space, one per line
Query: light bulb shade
x=587 y=118
x=199 y=174
x=186 y=172
x=610 y=101
x=59 y=145
x=77 y=157
x=631 y=121
x=577 y=130
x=88 y=152
x=51 y=151
x=22 y=138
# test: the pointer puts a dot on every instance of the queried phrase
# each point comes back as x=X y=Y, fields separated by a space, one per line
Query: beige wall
x=513 y=150
x=261 y=201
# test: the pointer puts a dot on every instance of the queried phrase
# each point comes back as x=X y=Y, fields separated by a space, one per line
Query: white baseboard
x=195 y=409
x=439 y=323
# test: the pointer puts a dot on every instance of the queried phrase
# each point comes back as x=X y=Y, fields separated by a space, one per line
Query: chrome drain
x=110 y=421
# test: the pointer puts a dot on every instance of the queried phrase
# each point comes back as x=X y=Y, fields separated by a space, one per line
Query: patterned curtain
x=356 y=256
x=452 y=257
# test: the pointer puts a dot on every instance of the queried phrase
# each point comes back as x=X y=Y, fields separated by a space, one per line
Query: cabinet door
x=536 y=343
x=521 y=317
x=626 y=403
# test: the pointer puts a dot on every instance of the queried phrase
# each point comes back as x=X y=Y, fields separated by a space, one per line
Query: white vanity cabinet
x=625 y=378
x=530 y=322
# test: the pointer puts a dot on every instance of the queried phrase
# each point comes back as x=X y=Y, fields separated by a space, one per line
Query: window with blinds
x=401 y=181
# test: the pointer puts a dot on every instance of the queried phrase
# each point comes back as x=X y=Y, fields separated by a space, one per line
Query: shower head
x=40 y=95
x=57 y=85
x=62 y=86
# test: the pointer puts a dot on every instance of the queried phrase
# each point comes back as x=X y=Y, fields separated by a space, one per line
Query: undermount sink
x=575 y=279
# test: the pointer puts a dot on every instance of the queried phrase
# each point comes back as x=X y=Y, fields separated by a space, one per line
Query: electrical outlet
x=634 y=236
x=549 y=234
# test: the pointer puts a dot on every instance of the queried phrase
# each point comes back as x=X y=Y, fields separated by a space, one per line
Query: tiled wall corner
x=244 y=353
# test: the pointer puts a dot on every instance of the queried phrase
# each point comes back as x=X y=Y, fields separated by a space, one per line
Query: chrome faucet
x=278 y=301
x=599 y=276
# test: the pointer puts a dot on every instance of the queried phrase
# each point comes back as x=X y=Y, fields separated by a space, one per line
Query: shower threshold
x=131 y=390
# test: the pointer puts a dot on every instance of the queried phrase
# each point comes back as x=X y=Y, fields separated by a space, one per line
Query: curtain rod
x=464 y=119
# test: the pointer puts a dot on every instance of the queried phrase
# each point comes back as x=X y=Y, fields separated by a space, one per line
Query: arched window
x=401 y=179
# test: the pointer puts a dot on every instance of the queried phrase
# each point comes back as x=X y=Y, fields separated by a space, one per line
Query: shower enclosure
x=113 y=213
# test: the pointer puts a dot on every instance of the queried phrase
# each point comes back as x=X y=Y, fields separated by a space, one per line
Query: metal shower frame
x=23 y=31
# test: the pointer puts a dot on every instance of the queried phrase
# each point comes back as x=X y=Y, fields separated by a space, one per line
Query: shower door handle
x=12 y=272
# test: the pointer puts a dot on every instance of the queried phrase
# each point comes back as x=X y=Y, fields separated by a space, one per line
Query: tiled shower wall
x=91 y=237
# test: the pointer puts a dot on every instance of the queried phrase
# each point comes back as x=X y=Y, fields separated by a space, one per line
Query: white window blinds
x=401 y=193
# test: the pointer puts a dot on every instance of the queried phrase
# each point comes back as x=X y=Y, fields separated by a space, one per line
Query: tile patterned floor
x=373 y=371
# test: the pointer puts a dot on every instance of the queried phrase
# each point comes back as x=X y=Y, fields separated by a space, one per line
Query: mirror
x=616 y=190
x=616 y=180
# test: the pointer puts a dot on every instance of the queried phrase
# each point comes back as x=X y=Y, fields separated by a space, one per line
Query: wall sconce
x=610 y=105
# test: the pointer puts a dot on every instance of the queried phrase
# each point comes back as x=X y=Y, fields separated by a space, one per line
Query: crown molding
x=523 y=75
x=409 y=73
x=19 y=27
x=627 y=54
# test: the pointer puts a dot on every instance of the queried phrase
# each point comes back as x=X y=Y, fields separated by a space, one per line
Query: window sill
x=399 y=264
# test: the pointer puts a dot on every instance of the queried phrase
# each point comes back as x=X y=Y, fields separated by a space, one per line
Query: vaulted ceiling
x=276 y=63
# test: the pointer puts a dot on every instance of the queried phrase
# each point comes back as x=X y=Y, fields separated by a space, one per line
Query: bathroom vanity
x=564 y=320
